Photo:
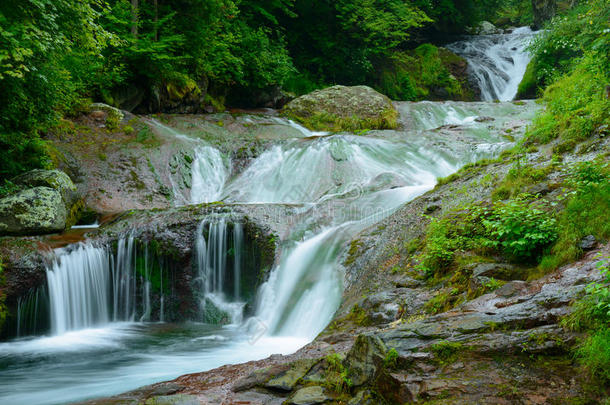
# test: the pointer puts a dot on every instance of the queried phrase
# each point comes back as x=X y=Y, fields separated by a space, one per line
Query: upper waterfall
x=497 y=62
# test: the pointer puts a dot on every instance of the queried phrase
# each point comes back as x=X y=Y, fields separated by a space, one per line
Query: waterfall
x=497 y=62
x=208 y=170
x=90 y=286
x=79 y=283
x=219 y=293
x=208 y=175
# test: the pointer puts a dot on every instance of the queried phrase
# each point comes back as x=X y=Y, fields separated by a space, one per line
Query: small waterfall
x=90 y=286
x=208 y=175
x=220 y=294
x=208 y=170
x=33 y=312
x=497 y=62
x=79 y=283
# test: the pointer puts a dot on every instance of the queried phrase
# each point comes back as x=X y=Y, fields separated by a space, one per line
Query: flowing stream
x=108 y=333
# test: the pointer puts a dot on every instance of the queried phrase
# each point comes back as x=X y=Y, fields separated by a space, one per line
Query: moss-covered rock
x=528 y=87
x=340 y=108
x=32 y=211
x=48 y=202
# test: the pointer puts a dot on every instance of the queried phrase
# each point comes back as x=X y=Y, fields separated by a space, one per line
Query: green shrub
x=391 y=359
x=594 y=354
x=519 y=229
x=592 y=313
x=586 y=212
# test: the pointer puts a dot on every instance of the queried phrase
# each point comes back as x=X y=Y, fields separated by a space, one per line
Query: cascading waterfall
x=497 y=62
x=208 y=175
x=79 y=283
x=220 y=294
x=209 y=172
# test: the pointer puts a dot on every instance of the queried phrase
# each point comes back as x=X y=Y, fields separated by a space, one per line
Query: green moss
x=391 y=359
x=353 y=252
x=445 y=351
x=359 y=316
x=324 y=121
x=427 y=72
x=336 y=375
x=443 y=301
x=528 y=88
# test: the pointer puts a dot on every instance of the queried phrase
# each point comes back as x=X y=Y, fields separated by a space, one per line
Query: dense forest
x=57 y=56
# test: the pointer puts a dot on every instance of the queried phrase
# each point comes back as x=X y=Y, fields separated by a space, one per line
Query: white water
x=209 y=171
x=497 y=62
x=78 y=289
x=212 y=266
x=208 y=175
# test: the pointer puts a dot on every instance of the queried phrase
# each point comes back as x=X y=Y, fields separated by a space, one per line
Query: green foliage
x=8 y=188
x=592 y=314
x=586 y=212
x=445 y=351
x=391 y=359
x=519 y=178
x=572 y=59
x=594 y=354
x=520 y=230
x=423 y=73
x=517 y=228
x=336 y=374
x=443 y=301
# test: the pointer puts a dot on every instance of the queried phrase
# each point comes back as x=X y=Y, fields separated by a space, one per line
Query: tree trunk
x=156 y=21
x=543 y=11
x=134 y=18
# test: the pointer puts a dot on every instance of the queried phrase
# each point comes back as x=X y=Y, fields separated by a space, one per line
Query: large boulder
x=55 y=179
x=342 y=108
x=47 y=203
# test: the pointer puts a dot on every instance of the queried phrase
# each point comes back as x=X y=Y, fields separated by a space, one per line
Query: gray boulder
x=486 y=28
x=33 y=211
x=48 y=202
x=342 y=108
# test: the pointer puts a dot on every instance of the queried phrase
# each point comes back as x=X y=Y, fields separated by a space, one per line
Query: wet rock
x=365 y=358
x=543 y=11
x=484 y=119
x=341 y=108
x=112 y=112
x=486 y=28
x=363 y=397
x=287 y=380
x=588 y=242
x=180 y=399
x=510 y=289
x=308 y=396
x=501 y=271
x=259 y=377
x=55 y=179
x=391 y=388
x=541 y=188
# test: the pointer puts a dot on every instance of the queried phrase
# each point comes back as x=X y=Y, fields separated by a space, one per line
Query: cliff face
x=543 y=11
